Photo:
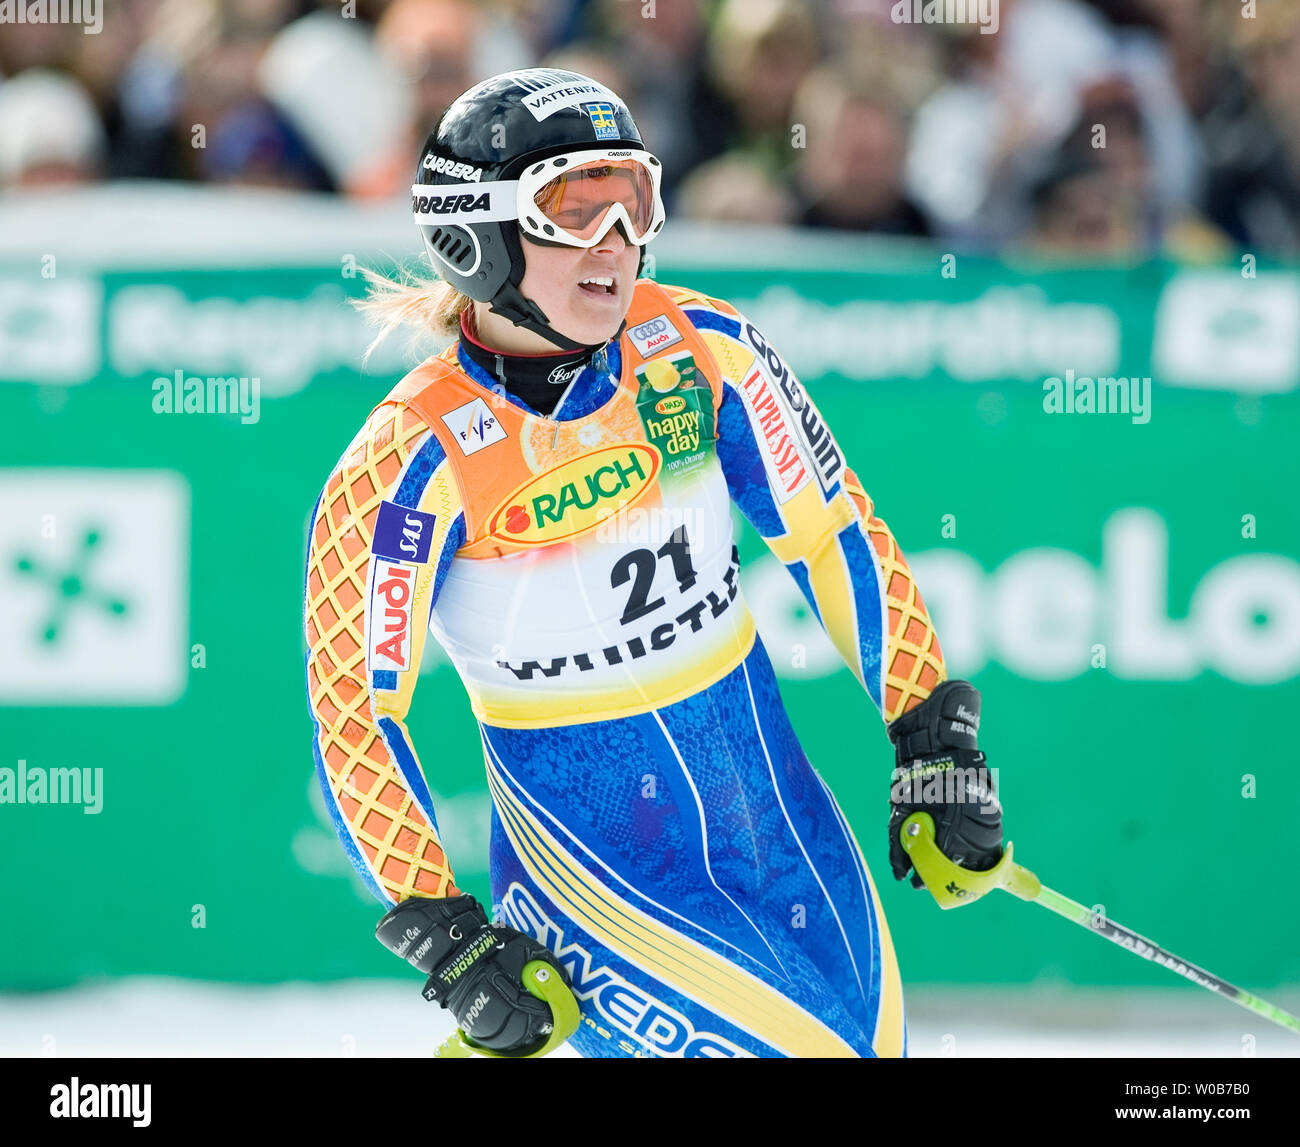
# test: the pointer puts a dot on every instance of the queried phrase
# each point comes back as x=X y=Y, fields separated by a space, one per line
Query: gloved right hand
x=474 y=969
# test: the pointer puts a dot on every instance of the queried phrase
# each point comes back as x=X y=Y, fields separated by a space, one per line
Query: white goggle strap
x=456 y=204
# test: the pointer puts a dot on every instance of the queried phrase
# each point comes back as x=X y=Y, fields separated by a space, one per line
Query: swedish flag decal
x=602 y=119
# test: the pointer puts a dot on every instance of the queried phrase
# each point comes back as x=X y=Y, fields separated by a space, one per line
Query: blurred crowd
x=1084 y=127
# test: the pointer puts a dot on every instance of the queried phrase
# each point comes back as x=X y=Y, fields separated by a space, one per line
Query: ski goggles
x=574 y=199
x=571 y=199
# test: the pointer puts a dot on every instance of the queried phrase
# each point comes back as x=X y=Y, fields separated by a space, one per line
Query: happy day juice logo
x=676 y=409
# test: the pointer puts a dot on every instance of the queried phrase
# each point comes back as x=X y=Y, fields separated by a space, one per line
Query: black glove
x=474 y=969
x=940 y=770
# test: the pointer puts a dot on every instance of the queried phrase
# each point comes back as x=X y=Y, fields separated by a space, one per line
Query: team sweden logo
x=602 y=119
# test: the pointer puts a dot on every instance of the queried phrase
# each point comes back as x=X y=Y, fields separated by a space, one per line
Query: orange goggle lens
x=577 y=201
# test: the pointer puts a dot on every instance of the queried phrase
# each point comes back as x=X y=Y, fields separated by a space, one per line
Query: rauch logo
x=576 y=496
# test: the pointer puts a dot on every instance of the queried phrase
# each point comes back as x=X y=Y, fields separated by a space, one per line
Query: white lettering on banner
x=779 y=448
x=1041 y=610
x=1003 y=333
x=389 y=619
x=287 y=342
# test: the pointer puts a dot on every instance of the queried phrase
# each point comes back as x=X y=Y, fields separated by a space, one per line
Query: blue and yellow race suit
x=654 y=819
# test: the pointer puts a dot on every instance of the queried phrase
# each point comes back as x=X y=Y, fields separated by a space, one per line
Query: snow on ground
x=169 y=1017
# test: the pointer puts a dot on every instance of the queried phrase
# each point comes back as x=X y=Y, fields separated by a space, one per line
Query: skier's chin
x=590 y=329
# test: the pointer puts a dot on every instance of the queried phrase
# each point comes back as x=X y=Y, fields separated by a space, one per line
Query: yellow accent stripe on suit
x=677 y=960
x=814 y=528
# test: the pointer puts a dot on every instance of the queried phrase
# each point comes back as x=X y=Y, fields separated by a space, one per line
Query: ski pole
x=952 y=886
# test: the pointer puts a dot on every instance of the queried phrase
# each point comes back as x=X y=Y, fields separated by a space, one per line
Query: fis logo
x=474 y=426
x=602 y=120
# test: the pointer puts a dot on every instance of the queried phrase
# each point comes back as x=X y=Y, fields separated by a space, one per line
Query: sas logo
x=474 y=426
x=576 y=496
x=390 y=616
x=654 y=335
x=602 y=120
x=402 y=534
x=673 y=404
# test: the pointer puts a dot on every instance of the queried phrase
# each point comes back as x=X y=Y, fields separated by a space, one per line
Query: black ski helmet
x=490 y=134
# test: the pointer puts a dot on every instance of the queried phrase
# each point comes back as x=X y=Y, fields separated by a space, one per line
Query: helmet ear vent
x=452 y=247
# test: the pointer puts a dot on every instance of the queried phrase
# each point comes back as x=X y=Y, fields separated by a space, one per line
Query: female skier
x=551 y=497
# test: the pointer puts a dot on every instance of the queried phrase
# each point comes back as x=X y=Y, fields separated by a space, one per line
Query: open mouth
x=598 y=285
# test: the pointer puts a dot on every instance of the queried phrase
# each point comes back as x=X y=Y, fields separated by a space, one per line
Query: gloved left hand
x=940 y=770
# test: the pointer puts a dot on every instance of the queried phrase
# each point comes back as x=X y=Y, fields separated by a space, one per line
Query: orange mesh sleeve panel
x=913 y=659
x=390 y=834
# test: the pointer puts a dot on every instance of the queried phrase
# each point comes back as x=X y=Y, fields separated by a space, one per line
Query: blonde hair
x=430 y=307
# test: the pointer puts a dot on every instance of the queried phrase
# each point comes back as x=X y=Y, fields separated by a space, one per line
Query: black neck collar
x=539 y=379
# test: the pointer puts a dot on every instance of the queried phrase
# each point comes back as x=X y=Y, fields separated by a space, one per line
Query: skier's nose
x=613 y=242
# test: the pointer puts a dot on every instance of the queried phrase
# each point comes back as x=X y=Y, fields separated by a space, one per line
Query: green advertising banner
x=1092 y=472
